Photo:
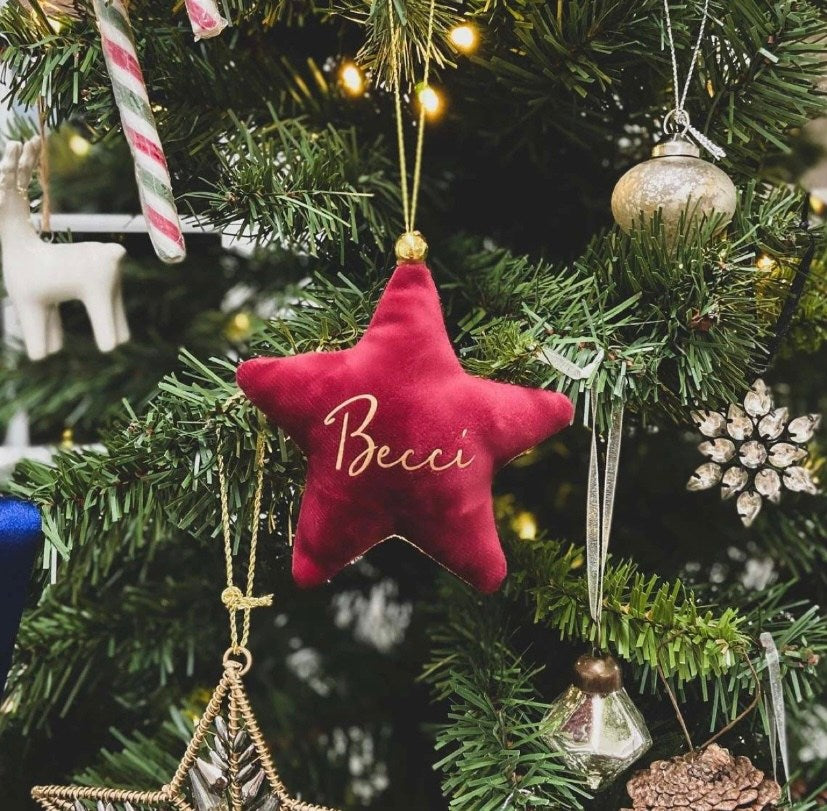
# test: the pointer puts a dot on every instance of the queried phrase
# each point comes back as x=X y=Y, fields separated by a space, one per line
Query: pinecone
x=708 y=780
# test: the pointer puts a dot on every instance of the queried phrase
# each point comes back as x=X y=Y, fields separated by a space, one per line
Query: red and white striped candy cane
x=151 y=172
x=205 y=18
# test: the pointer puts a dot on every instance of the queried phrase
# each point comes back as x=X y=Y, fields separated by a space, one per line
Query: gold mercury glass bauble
x=677 y=182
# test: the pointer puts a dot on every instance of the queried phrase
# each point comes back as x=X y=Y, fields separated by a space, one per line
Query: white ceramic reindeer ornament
x=40 y=275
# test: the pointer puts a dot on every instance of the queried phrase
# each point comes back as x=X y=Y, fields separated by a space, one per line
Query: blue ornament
x=20 y=538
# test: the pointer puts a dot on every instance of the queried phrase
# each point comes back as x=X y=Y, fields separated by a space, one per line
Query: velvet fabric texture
x=400 y=441
x=19 y=541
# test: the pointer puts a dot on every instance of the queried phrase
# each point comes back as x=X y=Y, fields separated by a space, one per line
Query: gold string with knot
x=235 y=600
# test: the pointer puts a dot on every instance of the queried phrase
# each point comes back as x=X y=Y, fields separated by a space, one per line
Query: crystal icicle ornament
x=595 y=726
x=767 y=449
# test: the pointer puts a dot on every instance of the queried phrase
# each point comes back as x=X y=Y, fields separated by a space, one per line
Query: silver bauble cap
x=676 y=145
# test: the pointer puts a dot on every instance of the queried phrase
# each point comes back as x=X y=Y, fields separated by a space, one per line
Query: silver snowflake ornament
x=755 y=450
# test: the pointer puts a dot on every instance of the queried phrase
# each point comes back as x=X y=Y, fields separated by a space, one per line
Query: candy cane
x=205 y=18
x=151 y=172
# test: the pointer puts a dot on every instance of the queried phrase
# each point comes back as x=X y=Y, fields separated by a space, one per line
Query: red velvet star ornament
x=400 y=441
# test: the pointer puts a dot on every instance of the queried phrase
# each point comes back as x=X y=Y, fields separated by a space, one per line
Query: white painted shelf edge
x=136 y=224
x=115 y=224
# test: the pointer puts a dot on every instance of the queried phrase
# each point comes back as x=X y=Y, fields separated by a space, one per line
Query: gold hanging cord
x=409 y=201
x=233 y=598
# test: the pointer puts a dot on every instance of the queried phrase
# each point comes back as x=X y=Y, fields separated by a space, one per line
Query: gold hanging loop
x=235 y=600
x=231 y=661
x=411 y=246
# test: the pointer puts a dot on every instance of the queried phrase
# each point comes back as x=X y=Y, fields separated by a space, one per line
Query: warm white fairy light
x=525 y=525
x=352 y=79
x=464 y=37
x=79 y=145
x=430 y=100
x=765 y=262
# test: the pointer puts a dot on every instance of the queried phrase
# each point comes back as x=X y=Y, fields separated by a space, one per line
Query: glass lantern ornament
x=594 y=724
x=677 y=182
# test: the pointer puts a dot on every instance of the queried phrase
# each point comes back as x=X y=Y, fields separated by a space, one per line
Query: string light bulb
x=79 y=145
x=765 y=262
x=817 y=205
x=464 y=37
x=352 y=79
x=525 y=525
x=430 y=100
x=239 y=328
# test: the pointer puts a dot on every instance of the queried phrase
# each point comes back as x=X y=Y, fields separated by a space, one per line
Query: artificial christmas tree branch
x=491 y=750
x=72 y=648
x=777 y=97
x=635 y=299
x=796 y=541
x=326 y=193
x=595 y=51
x=653 y=623
x=536 y=125
x=379 y=53
x=640 y=612
x=329 y=182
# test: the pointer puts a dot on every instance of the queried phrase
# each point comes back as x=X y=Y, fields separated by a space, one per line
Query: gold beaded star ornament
x=227 y=765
